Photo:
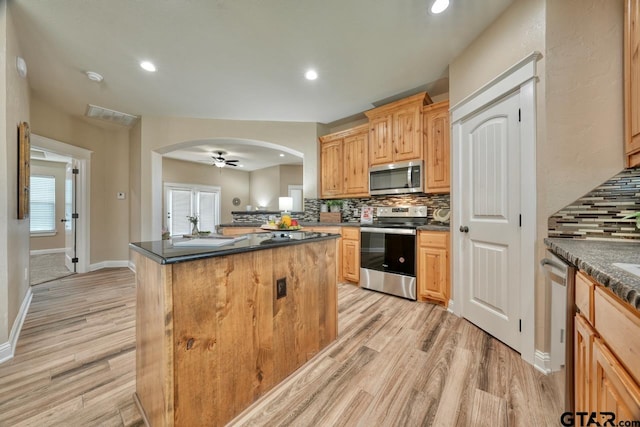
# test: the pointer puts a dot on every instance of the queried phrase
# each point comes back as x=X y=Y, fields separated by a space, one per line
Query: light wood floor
x=395 y=363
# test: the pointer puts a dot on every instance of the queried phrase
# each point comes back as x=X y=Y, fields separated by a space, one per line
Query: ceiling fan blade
x=231 y=164
x=232 y=161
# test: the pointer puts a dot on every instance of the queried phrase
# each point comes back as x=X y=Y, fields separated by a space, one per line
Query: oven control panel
x=402 y=211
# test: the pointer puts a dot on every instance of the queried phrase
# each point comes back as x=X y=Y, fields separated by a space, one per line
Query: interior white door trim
x=83 y=191
x=520 y=77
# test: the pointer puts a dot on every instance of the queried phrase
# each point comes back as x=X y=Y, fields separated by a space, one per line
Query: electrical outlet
x=26 y=273
x=356 y=213
x=281 y=288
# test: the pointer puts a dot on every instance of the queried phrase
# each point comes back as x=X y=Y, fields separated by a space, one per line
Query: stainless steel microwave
x=397 y=178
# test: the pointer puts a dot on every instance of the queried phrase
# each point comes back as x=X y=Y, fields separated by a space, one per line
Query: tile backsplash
x=599 y=214
x=351 y=207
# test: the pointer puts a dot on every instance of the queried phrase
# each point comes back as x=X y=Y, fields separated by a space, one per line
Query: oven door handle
x=405 y=231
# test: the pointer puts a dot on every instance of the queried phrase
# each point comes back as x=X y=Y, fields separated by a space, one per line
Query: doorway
x=69 y=252
x=50 y=199
x=494 y=207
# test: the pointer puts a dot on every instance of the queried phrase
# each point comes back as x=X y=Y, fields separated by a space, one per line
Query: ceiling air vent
x=108 y=115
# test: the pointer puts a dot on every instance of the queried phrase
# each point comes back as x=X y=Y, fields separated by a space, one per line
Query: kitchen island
x=219 y=326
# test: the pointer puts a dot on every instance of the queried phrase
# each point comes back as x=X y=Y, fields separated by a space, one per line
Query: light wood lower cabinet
x=351 y=254
x=583 y=342
x=433 y=266
x=613 y=389
x=606 y=352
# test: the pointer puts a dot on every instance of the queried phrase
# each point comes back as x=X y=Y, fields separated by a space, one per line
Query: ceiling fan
x=221 y=161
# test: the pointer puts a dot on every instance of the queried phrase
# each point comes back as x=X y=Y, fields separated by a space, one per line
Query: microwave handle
x=409 y=176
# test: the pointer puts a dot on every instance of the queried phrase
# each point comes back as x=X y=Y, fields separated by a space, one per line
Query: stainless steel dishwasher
x=560 y=281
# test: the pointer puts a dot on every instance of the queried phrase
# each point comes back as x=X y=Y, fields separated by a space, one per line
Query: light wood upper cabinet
x=433 y=266
x=395 y=130
x=356 y=167
x=344 y=170
x=437 y=148
x=331 y=180
x=632 y=81
x=407 y=132
x=380 y=140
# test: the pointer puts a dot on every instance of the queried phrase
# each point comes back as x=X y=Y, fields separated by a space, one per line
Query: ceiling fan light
x=439 y=6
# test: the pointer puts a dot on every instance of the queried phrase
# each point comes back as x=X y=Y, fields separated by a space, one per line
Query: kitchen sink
x=630 y=268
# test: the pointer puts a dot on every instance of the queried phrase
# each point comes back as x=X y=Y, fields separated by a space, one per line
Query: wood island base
x=212 y=337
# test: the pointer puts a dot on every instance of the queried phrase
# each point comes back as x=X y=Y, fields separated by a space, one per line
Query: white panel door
x=490 y=226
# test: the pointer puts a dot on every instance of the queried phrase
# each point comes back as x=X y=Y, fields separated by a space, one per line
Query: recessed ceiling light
x=241 y=166
x=94 y=77
x=281 y=155
x=439 y=6
x=311 y=75
x=148 y=66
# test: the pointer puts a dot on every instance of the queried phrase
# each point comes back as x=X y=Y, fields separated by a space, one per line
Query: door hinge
x=75 y=216
x=74 y=260
x=519 y=115
x=520 y=220
x=520 y=325
x=75 y=171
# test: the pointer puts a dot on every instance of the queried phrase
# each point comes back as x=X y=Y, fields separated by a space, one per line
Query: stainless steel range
x=388 y=250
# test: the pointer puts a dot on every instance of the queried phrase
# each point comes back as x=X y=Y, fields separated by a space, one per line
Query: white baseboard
x=8 y=348
x=132 y=266
x=543 y=362
x=47 y=251
x=451 y=307
x=108 y=264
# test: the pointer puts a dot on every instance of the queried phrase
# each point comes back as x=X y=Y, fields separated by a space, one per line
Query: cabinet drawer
x=433 y=239
x=619 y=327
x=351 y=233
x=584 y=295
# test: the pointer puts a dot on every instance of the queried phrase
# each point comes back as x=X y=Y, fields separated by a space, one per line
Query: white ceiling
x=241 y=59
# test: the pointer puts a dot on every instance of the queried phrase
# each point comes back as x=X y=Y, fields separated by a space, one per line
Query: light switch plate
x=121 y=196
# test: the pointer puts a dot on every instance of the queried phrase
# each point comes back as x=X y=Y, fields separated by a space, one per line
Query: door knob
x=64 y=220
x=464 y=229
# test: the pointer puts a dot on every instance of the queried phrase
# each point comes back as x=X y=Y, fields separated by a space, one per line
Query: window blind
x=42 y=199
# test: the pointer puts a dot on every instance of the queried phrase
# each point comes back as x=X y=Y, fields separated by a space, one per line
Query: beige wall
x=135 y=141
x=109 y=234
x=264 y=188
x=579 y=100
x=268 y=184
x=289 y=175
x=160 y=135
x=232 y=183
x=58 y=171
x=14 y=233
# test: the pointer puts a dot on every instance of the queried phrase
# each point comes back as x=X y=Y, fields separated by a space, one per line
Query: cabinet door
x=613 y=390
x=356 y=164
x=632 y=80
x=433 y=266
x=583 y=342
x=433 y=272
x=380 y=140
x=351 y=260
x=437 y=143
x=331 y=168
x=407 y=133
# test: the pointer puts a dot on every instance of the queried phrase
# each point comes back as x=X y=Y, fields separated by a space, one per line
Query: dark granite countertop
x=166 y=252
x=596 y=258
x=436 y=226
